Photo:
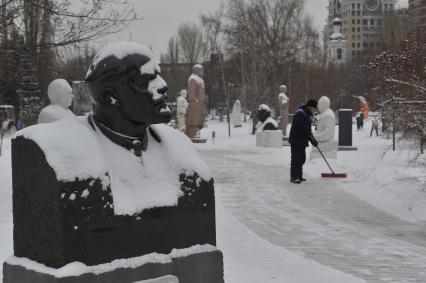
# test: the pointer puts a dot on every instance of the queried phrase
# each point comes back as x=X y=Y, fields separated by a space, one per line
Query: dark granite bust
x=115 y=184
x=267 y=123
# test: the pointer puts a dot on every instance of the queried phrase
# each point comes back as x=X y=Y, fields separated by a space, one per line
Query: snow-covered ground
x=366 y=228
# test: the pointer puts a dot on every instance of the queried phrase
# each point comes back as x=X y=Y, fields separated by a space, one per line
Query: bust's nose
x=163 y=91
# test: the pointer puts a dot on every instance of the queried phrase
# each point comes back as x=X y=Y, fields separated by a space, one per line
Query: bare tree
x=172 y=54
x=401 y=85
x=192 y=46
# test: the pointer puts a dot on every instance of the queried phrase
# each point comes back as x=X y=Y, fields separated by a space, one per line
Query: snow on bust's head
x=264 y=107
x=120 y=50
x=60 y=93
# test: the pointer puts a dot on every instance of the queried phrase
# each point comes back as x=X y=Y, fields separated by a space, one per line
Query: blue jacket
x=301 y=131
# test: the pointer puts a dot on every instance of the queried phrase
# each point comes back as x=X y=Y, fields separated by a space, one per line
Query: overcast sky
x=161 y=18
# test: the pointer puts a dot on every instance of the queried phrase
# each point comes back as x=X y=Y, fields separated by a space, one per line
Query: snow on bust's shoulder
x=182 y=151
x=197 y=78
x=70 y=148
x=122 y=49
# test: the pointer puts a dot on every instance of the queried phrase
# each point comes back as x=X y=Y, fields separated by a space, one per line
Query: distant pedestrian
x=359 y=121
x=300 y=134
x=375 y=127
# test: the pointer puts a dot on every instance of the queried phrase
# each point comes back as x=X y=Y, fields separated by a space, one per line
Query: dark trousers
x=298 y=158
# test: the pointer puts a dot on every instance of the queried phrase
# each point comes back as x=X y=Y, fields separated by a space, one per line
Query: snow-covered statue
x=283 y=102
x=116 y=184
x=60 y=96
x=325 y=130
x=196 y=94
x=182 y=106
x=266 y=122
x=236 y=114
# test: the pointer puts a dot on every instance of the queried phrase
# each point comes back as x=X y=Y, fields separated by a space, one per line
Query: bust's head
x=198 y=70
x=60 y=93
x=283 y=89
x=128 y=93
x=183 y=93
x=263 y=113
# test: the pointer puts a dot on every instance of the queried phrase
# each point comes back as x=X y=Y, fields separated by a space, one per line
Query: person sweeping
x=300 y=136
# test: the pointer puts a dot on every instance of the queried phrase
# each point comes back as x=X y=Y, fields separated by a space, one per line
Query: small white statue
x=60 y=96
x=325 y=130
x=283 y=102
x=182 y=106
x=236 y=114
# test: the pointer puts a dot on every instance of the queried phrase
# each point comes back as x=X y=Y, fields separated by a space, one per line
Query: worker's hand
x=314 y=142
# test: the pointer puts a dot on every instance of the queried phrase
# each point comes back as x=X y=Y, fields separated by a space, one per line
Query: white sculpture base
x=272 y=139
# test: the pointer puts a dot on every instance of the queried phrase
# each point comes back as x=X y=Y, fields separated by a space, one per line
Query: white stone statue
x=283 y=102
x=236 y=114
x=182 y=106
x=325 y=130
x=60 y=96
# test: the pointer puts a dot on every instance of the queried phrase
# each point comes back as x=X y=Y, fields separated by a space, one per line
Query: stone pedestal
x=57 y=222
x=272 y=139
x=345 y=130
x=185 y=266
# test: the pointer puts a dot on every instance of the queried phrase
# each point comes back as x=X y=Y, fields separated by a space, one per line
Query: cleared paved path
x=324 y=224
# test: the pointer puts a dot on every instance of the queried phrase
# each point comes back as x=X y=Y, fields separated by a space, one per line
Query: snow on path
x=317 y=219
x=6 y=220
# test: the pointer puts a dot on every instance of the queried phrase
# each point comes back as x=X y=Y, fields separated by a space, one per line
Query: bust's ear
x=110 y=96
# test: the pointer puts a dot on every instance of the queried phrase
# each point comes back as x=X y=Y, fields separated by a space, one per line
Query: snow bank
x=78 y=268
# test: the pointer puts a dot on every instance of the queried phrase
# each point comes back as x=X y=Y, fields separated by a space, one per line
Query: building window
x=372 y=22
x=353 y=44
x=353 y=29
x=365 y=45
x=358 y=13
x=353 y=52
x=339 y=54
x=359 y=21
x=379 y=22
x=359 y=45
x=353 y=36
x=365 y=22
x=353 y=13
x=359 y=6
x=359 y=29
x=353 y=21
x=353 y=6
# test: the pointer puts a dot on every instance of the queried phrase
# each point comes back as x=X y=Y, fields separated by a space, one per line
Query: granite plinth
x=206 y=267
x=56 y=224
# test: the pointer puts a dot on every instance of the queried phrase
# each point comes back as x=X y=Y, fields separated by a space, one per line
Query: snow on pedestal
x=94 y=201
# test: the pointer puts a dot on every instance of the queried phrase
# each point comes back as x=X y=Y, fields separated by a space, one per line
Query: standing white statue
x=60 y=96
x=182 y=106
x=325 y=130
x=283 y=102
x=236 y=114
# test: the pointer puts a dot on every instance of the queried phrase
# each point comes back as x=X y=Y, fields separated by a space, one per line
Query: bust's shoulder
x=69 y=145
x=181 y=151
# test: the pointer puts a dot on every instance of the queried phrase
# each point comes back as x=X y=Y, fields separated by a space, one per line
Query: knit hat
x=312 y=103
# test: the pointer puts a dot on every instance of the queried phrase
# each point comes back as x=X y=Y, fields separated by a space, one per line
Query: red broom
x=332 y=175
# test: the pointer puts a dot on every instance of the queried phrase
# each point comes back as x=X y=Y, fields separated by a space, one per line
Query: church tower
x=337 y=44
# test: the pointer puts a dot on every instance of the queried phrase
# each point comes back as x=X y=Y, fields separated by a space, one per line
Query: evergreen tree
x=28 y=91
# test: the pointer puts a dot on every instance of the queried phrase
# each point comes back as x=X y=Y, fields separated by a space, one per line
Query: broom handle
x=325 y=159
x=1 y=143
